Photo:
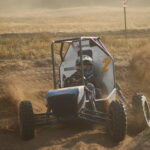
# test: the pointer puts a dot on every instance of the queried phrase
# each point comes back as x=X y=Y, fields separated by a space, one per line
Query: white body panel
x=67 y=67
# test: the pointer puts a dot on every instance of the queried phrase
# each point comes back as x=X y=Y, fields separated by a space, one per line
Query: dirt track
x=31 y=83
x=30 y=79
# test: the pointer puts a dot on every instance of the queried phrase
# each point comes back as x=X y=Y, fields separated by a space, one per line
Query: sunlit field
x=36 y=28
x=29 y=46
x=82 y=19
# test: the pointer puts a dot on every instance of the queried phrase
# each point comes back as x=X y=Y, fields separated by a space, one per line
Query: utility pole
x=125 y=16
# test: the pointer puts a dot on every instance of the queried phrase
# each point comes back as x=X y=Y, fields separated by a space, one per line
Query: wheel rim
x=147 y=111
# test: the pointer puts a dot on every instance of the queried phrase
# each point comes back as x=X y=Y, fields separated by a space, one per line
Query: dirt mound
x=142 y=141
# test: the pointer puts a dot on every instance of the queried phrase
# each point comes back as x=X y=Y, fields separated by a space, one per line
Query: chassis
x=68 y=102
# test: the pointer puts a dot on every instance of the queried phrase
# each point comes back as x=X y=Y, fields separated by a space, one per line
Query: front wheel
x=26 y=120
x=118 y=123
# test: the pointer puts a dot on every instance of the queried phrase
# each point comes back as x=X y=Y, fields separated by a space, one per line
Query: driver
x=88 y=68
x=88 y=71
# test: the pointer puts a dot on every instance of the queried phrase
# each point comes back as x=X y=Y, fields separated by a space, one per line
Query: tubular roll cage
x=103 y=48
x=62 y=59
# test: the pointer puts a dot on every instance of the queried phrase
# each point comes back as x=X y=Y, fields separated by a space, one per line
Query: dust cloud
x=14 y=89
x=21 y=5
x=140 y=65
x=18 y=88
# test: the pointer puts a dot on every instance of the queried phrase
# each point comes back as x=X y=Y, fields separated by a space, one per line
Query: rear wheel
x=26 y=120
x=141 y=111
x=117 y=124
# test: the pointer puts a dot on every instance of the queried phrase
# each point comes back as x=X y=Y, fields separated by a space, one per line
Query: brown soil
x=31 y=79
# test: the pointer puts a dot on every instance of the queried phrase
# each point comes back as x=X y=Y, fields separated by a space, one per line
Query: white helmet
x=86 y=60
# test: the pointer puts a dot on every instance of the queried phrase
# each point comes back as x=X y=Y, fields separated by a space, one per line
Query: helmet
x=87 y=65
x=87 y=60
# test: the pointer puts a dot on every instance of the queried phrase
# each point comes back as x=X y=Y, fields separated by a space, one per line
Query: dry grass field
x=38 y=27
x=25 y=71
x=81 y=19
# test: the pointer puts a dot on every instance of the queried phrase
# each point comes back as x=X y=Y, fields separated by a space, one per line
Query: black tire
x=26 y=120
x=141 y=112
x=117 y=126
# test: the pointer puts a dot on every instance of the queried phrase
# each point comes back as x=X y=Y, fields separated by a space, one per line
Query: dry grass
x=22 y=46
x=68 y=20
x=82 y=19
x=28 y=46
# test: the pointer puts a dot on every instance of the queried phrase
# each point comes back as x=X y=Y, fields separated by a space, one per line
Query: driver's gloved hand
x=90 y=88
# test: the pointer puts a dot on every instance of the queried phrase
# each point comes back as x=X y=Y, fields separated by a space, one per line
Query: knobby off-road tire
x=141 y=112
x=118 y=125
x=26 y=120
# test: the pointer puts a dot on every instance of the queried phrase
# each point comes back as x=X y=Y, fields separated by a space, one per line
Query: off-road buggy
x=73 y=97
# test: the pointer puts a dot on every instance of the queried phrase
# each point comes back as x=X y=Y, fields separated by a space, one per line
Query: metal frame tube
x=61 y=49
x=53 y=64
x=82 y=71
